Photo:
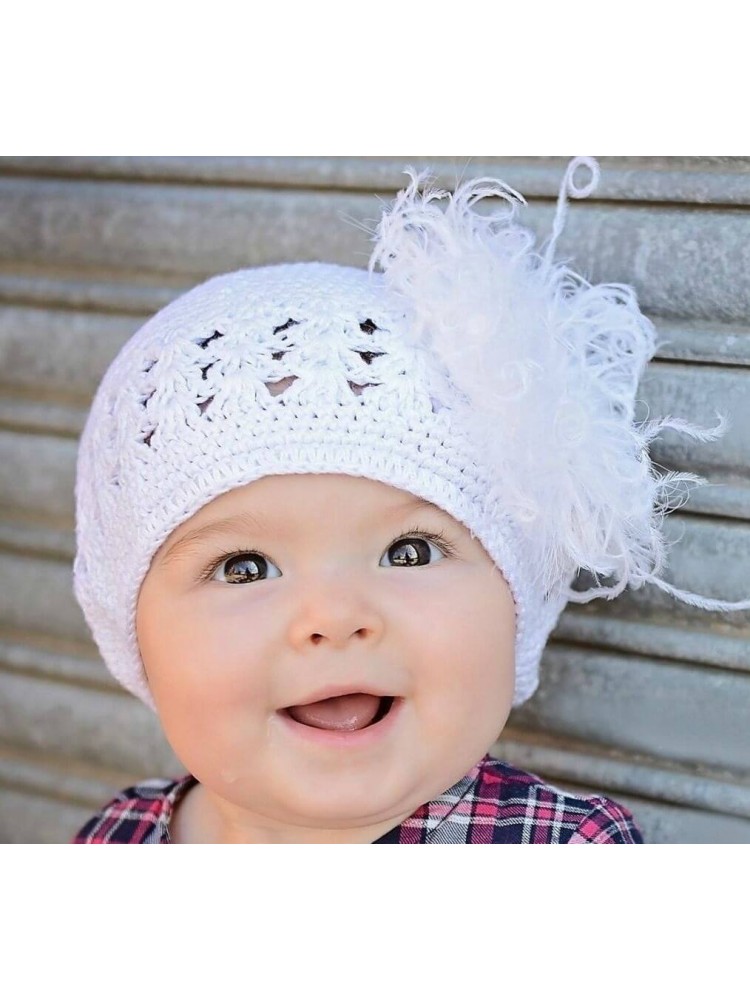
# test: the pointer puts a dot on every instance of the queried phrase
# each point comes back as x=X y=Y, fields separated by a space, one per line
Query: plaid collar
x=492 y=803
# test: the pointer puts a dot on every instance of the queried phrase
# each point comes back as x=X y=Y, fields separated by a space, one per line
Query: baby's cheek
x=445 y=708
x=481 y=692
x=222 y=651
x=215 y=682
x=211 y=718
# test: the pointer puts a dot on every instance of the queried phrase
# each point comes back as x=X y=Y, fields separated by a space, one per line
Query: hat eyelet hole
x=358 y=389
x=285 y=326
x=277 y=388
x=203 y=344
x=367 y=356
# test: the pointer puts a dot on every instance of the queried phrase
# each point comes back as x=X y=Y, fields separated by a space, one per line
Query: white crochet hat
x=470 y=371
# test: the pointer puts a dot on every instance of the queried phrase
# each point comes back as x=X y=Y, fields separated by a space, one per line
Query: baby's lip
x=336 y=690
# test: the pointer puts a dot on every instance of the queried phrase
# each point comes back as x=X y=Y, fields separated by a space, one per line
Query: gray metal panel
x=667 y=710
x=30 y=818
x=663 y=824
x=108 y=729
x=693 y=179
x=38 y=597
x=59 y=352
x=642 y=698
x=682 y=261
x=43 y=474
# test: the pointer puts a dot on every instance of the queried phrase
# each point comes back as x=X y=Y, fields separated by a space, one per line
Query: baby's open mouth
x=343 y=712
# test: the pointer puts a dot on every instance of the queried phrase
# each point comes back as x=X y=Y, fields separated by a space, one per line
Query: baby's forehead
x=330 y=493
x=302 y=505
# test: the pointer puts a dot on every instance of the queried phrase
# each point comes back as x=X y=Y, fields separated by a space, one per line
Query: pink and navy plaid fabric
x=493 y=804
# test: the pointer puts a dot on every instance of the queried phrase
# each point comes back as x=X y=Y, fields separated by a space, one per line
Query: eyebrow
x=247 y=520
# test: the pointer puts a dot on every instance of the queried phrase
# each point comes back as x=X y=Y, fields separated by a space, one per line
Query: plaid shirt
x=493 y=804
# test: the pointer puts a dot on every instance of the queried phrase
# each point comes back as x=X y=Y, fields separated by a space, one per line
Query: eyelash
x=448 y=549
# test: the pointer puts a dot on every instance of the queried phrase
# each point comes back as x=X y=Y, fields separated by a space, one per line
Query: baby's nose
x=335 y=608
x=318 y=637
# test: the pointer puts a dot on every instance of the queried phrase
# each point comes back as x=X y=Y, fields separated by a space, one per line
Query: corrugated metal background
x=642 y=698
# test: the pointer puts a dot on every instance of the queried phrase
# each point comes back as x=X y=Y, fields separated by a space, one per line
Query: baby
x=327 y=518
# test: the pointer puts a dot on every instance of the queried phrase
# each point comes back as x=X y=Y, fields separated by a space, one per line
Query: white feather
x=549 y=365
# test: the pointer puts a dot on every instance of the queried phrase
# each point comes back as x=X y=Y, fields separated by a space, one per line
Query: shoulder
x=524 y=809
x=137 y=815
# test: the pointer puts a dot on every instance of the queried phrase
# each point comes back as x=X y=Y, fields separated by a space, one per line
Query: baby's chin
x=348 y=801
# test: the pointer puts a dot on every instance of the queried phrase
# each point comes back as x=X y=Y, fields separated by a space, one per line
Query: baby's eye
x=250 y=567
x=413 y=551
x=244 y=567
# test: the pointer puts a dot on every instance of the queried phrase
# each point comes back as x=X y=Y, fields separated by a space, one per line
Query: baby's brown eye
x=245 y=567
x=412 y=552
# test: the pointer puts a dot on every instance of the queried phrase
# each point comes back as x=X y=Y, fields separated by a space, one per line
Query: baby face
x=326 y=654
